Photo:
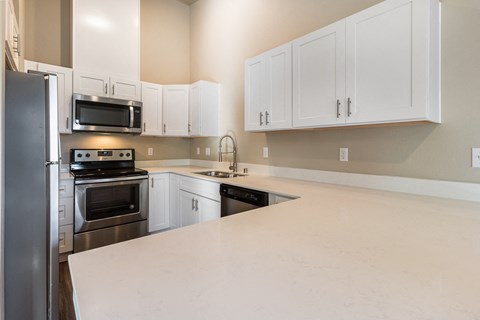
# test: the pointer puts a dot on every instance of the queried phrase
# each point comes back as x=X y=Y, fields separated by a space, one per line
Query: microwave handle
x=132 y=114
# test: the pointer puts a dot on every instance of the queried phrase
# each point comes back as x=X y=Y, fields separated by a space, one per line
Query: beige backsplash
x=163 y=148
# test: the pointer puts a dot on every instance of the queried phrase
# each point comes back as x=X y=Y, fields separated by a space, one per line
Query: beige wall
x=165 y=42
x=163 y=148
x=47 y=32
x=225 y=33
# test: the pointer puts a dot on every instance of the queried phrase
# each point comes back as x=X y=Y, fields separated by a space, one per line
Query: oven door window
x=101 y=114
x=111 y=201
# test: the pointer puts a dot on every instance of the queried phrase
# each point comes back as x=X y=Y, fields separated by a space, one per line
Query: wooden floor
x=65 y=304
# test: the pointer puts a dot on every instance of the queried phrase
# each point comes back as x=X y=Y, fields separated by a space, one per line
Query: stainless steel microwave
x=99 y=114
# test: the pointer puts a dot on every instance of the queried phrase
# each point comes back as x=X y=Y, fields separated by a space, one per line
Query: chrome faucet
x=233 y=166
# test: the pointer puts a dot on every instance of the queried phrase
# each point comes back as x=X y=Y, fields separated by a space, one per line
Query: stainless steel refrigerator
x=31 y=196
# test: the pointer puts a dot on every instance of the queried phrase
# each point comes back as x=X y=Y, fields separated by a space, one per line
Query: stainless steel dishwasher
x=236 y=199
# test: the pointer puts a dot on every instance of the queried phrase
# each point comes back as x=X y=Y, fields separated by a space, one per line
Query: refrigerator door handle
x=50 y=163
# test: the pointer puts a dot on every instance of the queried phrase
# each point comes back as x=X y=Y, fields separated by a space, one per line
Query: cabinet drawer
x=201 y=187
x=65 y=238
x=65 y=188
x=65 y=211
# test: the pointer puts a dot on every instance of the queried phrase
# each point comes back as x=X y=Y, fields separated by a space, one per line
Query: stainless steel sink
x=220 y=174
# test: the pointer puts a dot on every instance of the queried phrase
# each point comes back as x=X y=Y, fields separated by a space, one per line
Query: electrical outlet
x=344 y=154
x=207 y=151
x=476 y=157
x=198 y=151
x=150 y=151
x=265 y=152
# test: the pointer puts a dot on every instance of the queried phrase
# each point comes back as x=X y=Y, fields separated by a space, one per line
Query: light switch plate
x=344 y=154
x=150 y=151
x=207 y=151
x=265 y=152
x=198 y=151
x=476 y=157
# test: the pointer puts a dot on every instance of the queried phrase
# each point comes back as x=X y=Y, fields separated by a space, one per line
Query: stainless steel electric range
x=111 y=197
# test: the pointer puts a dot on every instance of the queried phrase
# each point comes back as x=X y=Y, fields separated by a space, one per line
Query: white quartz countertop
x=333 y=253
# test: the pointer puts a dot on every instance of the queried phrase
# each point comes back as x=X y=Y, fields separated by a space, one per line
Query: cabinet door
x=159 y=202
x=90 y=84
x=65 y=238
x=65 y=211
x=187 y=205
x=387 y=62
x=203 y=114
x=175 y=110
x=174 y=201
x=207 y=209
x=125 y=89
x=319 y=77
x=278 y=88
x=195 y=104
x=65 y=88
x=152 y=109
x=254 y=93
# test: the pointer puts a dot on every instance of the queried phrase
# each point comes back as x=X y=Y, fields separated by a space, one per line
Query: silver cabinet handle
x=266 y=118
x=196 y=204
x=261 y=119
x=189 y=128
x=144 y=126
x=349 y=103
x=338 y=108
x=153 y=184
x=164 y=128
x=67 y=121
x=16 y=39
x=106 y=88
x=193 y=204
x=113 y=89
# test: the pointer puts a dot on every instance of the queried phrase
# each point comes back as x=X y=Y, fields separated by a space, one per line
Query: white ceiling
x=189 y=2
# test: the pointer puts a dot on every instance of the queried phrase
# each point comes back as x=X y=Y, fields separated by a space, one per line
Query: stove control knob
x=128 y=154
x=87 y=155
x=79 y=155
x=121 y=154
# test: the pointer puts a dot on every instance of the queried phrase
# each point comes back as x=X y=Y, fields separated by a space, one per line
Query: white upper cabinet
x=319 y=77
x=381 y=65
x=152 y=109
x=106 y=86
x=175 y=110
x=393 y=62
x=65 y=78
x=12 y=36
x=203 y=109
x=268 y=90
x=106 y=37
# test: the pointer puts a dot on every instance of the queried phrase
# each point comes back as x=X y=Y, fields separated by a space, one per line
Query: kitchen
x=211 y=41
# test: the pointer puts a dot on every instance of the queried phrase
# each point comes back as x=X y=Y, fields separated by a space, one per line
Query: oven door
x=109 y=202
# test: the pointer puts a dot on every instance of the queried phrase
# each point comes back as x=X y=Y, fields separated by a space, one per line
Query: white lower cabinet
x=196 y=209
x=159 y=202
x=193 y=201
x=178 y=201
x=65 y=215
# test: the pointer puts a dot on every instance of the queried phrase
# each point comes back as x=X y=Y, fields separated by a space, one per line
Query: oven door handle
x=90 y=181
